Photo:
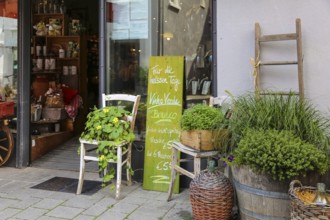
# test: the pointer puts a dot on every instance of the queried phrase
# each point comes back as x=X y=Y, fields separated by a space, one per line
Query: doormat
x=69 y=185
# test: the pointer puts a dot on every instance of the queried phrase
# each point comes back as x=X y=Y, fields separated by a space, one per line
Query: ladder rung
x=278 y=37
x=279 y=63
x=278 y=93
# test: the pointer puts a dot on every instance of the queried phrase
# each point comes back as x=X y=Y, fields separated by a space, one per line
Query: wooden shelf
x=42 y=144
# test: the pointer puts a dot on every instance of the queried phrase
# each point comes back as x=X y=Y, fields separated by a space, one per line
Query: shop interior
x=64 y=70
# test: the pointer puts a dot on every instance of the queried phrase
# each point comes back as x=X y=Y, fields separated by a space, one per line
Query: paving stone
x=65 y=212
x=5 y=203
x=176 y=214
x=95 y=210
x=31 y=213
x=61 y=195
x=23 y=204
x=147 y=213
x=159 y=205
x=124 y=208
x=48 y=218
x=111 y=214
x=80 y=202
x=107 y=202
x=84 y=217
x=9 y=212
x=48 y=203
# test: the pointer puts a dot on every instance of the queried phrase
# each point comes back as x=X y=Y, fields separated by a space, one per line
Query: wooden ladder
x=278 y=37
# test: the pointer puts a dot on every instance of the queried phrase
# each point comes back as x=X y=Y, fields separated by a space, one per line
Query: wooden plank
x=279 y=63
x=278 y=37
x=257 y=57
x=300 y=58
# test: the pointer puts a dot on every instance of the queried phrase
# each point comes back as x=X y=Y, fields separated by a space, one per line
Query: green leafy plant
x=280 y=112
x=279 y=153
x=202 y=117
x=108 y=126
x=281 y=135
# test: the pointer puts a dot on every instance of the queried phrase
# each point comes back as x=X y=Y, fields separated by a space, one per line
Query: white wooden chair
x=122 y=157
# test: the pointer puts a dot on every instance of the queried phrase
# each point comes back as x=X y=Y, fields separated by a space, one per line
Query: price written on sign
x=164 y=109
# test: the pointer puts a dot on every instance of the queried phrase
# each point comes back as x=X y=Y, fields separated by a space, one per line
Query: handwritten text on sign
x=165 y=90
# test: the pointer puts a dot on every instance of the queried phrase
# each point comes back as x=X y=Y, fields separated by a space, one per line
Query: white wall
x=235 y=45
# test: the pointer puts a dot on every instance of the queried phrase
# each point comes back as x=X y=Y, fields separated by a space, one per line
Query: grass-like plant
x=280 y=154
x=280 y=112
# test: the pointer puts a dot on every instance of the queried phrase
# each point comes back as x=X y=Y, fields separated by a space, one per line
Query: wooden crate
x=204 y=140
x=198 y=139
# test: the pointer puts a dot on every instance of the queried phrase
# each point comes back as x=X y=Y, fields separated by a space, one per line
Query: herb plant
x=279 y=153
x=202 y=117
x=280 y=112
x=108 y=127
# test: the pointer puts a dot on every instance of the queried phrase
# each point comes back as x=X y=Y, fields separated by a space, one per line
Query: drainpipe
x=214 y=49
x=102 y=49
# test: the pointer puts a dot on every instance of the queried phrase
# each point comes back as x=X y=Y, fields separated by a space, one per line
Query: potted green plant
x=108 y=126
x=275 y=139
x=203 y=127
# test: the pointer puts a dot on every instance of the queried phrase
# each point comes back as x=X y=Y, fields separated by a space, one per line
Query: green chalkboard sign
x=164 y=110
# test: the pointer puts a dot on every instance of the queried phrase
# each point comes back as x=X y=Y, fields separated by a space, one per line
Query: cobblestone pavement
x=19 y=201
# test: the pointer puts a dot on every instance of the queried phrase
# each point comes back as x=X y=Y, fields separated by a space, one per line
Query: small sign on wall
x=164 y=110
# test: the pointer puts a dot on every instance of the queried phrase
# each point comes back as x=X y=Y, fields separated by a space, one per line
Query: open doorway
x=64 y=71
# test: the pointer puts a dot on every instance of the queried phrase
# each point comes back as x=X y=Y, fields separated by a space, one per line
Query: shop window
x=138 y=29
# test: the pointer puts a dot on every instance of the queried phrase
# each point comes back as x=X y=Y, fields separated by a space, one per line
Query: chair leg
x=119 y=169
x=173 y=173
x=128 y=171
x=82 y=168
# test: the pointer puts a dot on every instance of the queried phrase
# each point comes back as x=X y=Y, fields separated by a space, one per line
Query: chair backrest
x=134 y=99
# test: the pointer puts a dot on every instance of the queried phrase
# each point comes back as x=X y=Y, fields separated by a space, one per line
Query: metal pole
x=23 y=84
x=102 y=49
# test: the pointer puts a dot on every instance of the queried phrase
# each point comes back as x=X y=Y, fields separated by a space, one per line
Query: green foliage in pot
x=281 y=154
x=202 y=117
x=280 y=112
x=108 y=126
x=281 y=135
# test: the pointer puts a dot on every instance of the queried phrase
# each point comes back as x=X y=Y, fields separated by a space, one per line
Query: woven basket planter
x=211 y=196
x=301 y=210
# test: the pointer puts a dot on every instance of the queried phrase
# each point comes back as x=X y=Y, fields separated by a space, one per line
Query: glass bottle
x=50 y=6
x=56 y=7
x=46 y=7
x=321 y=195
x=62 y=7
x=40 y=63
x=40 y=7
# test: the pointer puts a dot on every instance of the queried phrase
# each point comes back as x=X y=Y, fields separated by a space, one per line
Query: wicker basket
x=301 y=210
x=211 y=196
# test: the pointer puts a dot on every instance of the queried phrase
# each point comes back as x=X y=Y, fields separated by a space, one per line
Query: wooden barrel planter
x=259 y=196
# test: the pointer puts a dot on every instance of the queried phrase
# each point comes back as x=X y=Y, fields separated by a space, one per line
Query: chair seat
x=94 y=142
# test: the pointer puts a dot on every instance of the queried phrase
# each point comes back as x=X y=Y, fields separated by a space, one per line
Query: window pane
x=131 y=37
